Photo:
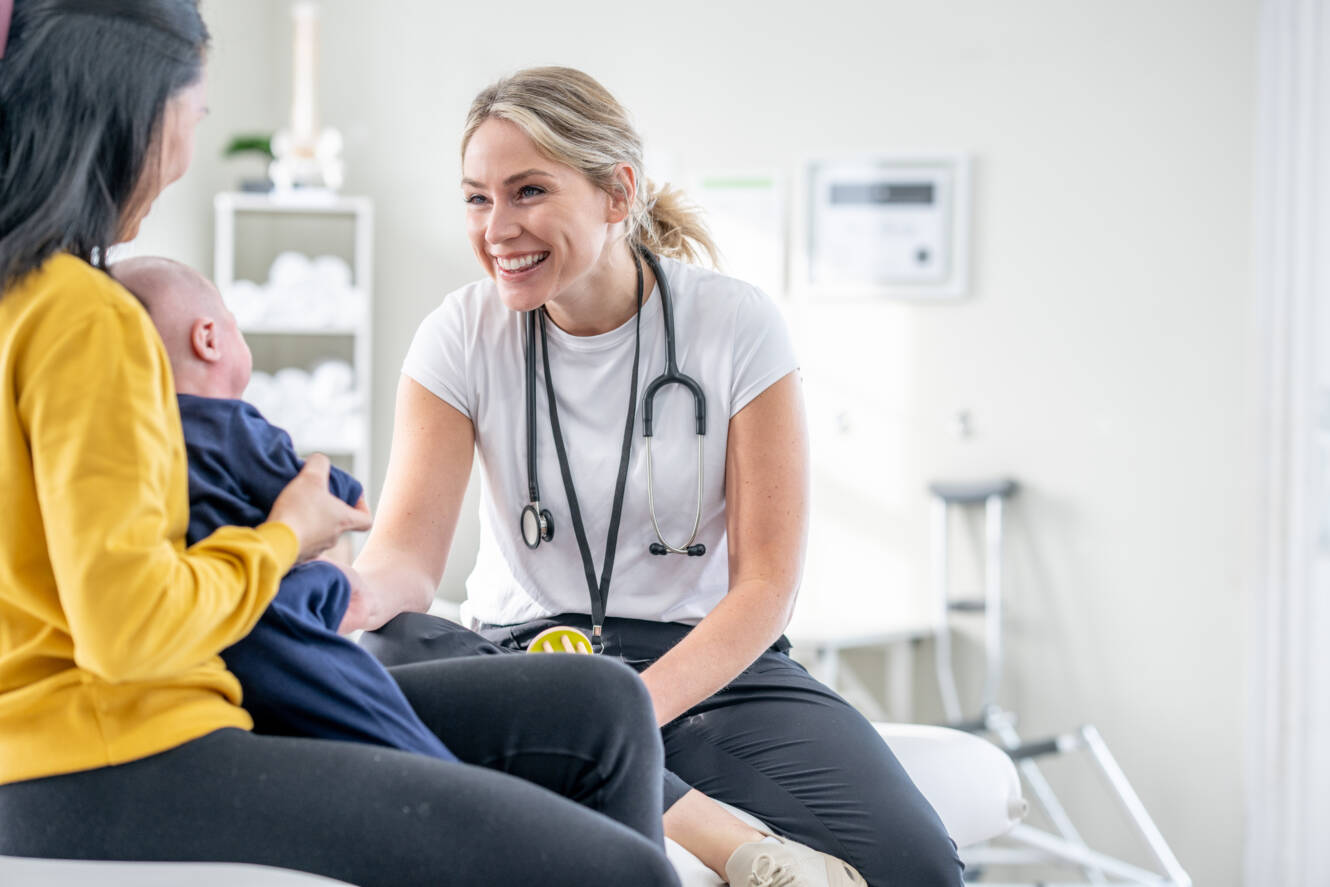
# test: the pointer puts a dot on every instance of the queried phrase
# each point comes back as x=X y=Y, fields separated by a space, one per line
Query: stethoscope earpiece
x=694 y=550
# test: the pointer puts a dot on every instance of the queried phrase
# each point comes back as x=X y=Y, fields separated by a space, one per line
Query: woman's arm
x=766 y=497
x=428 y=470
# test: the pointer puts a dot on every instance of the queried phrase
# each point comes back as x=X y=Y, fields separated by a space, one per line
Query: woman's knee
x=638 y=862
x=920 y=853
x=942 y=868
x=606 y=689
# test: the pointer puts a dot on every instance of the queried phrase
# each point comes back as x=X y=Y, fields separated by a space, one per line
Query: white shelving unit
x=314 y=341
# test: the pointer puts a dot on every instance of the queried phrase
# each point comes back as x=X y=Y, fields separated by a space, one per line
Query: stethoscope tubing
x=539 y=520
x=651 y=500
x=671 y=376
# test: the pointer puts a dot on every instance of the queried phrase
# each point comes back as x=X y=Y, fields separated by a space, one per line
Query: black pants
x=774 y=742
x=561 y=785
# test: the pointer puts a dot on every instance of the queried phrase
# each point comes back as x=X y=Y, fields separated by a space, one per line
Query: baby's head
x=208 y=354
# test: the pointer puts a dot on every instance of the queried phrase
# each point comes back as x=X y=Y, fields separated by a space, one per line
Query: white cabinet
x=308 y=321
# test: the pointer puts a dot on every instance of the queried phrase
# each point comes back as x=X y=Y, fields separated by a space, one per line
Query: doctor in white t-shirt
x=579 y=251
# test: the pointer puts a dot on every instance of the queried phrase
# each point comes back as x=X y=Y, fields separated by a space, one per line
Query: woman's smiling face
x=539 y=228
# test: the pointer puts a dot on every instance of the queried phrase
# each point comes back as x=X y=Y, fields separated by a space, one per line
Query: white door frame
x=1288 y=741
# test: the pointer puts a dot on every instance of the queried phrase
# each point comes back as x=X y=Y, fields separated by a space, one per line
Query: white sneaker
x=777 y=862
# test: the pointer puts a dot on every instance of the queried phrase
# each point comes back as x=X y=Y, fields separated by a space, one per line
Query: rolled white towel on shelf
x=279 y=313
x=354 y=428
x=312 y=294
x=248 y=302
x=339 y=432
x=317 y=432
x=293 y=382
x=330 y=382
x=292 y=402
x=262 y=393
x=349 y=307
x=336 y=432
x=320 y=409
x=331 y=273
x=289 y=270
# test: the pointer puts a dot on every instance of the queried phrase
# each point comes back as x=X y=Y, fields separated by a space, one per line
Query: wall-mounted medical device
x=888 y=226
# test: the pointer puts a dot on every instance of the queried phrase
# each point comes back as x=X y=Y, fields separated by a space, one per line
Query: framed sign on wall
x=745 y=213
x=895 y=226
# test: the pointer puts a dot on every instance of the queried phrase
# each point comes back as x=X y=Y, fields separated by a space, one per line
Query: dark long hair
x=83 y=90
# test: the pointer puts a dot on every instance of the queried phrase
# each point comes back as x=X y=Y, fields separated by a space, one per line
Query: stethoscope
x=537 y=523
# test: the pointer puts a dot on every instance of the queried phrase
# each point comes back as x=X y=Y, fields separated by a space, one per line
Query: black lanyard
x=599 y=591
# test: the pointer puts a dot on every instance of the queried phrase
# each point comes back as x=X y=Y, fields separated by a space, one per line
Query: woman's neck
x=609 y=299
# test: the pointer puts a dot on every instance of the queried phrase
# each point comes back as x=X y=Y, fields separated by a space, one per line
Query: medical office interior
x=1125 y=205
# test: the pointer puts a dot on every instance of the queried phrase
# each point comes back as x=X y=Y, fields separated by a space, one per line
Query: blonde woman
x=683 y=562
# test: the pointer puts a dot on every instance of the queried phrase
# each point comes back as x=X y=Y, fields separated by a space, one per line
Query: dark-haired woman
x=121 y=734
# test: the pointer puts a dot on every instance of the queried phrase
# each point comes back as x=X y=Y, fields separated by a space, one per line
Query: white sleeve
x=438 y=357
x=763 y=352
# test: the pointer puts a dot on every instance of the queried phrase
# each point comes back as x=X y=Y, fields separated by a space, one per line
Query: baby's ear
x=203 y=340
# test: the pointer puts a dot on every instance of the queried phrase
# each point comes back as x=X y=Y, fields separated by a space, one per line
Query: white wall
x=1101 y=355
x=248 y=50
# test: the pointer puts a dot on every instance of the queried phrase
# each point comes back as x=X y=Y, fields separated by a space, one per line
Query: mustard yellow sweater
x=109 y=627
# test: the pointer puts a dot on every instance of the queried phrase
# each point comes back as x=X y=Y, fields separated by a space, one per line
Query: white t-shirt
x=729 y=336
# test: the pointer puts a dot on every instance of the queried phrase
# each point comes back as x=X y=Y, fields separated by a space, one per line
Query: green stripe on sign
x=738 y=182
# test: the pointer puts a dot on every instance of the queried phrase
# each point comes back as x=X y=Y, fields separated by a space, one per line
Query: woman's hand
x=316 y=516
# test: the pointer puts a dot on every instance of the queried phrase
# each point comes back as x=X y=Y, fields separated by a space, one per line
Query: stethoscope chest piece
x=537 y=525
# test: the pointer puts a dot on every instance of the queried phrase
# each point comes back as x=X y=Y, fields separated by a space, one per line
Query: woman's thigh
x=784 y=747
x=581 y=726
x=354 y=812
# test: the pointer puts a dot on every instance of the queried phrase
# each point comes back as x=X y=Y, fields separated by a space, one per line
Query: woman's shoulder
x=468 y=309
x=64 y=276
x=717 y=304
x=473 y=293
x=448 y=343
x=67 y=292
x=695 y=281
x=475 y=301
x=68 y=324
x=723 y=315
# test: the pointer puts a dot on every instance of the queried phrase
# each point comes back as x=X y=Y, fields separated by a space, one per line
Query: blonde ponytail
x=575 y=121
x=671 y=225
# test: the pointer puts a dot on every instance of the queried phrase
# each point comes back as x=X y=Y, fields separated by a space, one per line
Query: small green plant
x=249 y=144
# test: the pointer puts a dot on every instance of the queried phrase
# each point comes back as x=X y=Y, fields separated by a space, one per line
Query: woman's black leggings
x=774 y=742
x=561 y=785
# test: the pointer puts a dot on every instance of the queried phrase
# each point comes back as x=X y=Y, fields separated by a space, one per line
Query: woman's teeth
x=520 y=263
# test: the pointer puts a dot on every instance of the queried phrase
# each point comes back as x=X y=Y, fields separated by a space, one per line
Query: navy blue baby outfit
x=299 y=676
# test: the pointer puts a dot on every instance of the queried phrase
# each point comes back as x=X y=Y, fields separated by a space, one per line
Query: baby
x=299 y=676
